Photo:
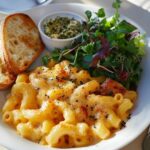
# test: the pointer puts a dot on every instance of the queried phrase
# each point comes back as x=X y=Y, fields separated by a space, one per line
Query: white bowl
x=52 y=43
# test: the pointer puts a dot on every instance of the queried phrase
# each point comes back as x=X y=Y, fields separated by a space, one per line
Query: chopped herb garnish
x=62 y=27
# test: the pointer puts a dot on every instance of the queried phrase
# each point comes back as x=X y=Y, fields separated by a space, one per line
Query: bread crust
x=7 y=83
x=25 y=38
x=8 y=78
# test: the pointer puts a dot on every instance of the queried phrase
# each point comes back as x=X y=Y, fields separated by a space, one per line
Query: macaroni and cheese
x=63 y=106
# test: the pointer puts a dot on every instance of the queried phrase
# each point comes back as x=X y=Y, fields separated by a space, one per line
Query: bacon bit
x=84 y=110
x=90 y=121
x=83 y=114
x=111 y=86
x=60 y=79
x=55 y=120
x=62 y=75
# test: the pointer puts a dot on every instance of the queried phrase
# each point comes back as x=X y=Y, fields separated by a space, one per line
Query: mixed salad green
x=108 y=47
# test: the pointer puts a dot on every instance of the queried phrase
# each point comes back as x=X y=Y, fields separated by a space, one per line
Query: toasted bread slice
x=21 y=42
x=6 y=78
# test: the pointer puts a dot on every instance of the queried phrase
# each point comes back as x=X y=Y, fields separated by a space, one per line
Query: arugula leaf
x=45 y=60
x=69 y=57
x=126 y=27
x=140 y=45
x=88 y=14
x=55 y=54
x=88 y=49
x=101 y=13
x=97 y=45
x=88 y=58
x=116 y=4
x=116 y=16
x=96 y=34
x=85 y=36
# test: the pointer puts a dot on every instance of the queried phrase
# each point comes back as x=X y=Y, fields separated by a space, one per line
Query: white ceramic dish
x=52 y=43
x=140 y=118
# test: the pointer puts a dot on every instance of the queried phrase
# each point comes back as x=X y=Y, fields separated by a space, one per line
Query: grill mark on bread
x=27 y=41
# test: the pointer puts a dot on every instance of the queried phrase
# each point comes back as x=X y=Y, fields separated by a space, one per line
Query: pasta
x=62 y=106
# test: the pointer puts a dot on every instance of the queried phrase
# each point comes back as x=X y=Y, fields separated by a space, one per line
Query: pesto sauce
x=62 y=28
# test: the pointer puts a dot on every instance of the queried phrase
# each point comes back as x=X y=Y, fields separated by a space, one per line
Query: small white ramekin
x=52 y=43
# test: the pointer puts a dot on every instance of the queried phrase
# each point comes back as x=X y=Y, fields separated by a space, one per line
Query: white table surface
x=145 y=4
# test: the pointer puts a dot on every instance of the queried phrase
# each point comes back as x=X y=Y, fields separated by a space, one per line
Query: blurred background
x=142 y=3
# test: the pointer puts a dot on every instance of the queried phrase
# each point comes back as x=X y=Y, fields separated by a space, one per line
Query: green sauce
x=62 y=28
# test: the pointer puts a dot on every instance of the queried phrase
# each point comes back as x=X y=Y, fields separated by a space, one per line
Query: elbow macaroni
x=57 y=106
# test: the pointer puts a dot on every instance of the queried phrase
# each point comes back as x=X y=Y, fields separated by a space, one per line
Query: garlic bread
x=21 y=42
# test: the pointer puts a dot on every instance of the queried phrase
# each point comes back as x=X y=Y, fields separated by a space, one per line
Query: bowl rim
x=55 y=13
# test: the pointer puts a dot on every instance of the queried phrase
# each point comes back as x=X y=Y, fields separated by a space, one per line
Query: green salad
x=109 y=46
